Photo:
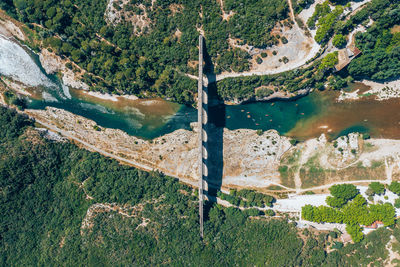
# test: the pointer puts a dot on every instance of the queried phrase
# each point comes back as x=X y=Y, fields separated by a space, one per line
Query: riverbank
x=275 y=96
x=380 y=91
x=249 y=159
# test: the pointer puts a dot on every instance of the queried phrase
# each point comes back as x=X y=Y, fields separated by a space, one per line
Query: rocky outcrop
x=9 y=28
x=52 y=63
x=248 y=158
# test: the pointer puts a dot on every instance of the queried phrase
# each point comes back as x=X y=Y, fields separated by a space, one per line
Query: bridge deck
x=201 y=135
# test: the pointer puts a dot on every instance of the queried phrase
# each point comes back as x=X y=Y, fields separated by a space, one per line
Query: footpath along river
x=303 y=118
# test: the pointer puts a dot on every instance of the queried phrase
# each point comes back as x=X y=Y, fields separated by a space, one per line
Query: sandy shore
x=103 y=96
x=110 y=97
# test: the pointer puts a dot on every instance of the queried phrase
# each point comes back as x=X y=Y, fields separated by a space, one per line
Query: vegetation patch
x=312 y=174
x=247 y=198
x=355 y=213
x=287 y=175
x=155 y=221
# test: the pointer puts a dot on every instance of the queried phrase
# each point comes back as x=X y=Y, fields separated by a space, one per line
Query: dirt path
x=315 y=48
x=291 y=12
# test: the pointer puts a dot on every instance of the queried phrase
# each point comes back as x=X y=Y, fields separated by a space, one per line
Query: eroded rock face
x=243 y=156
x=52 y=63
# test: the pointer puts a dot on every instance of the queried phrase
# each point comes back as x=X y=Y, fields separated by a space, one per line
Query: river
x=303 y=118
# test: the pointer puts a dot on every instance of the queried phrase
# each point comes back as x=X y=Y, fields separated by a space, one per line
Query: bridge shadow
x=214 y=130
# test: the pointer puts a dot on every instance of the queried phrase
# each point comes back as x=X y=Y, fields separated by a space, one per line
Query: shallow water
x=303 y=118
x=15 y=62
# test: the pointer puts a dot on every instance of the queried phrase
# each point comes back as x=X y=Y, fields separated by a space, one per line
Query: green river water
x=303 y=118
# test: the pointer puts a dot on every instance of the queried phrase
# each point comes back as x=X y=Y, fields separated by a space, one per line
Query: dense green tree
x=344 y=191
x=395 y=187
x=335 y=202
x=339 y=41
x=355 y=232
x=375 y=188
x=329 y=61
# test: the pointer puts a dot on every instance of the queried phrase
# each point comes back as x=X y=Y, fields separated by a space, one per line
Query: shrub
x=264 y=92
x=333 y=234
x=337 y=245
x=366 y=136
x=96 y=127
x=293 y=142
x=259 y=60
x=252 y=212
x=270 y=212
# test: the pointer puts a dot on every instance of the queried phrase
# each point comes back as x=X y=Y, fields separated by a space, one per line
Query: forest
x=48 y=191
x=150 y=60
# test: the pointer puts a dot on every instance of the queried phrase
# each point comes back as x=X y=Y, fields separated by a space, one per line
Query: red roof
x=356 y=51
x=374 y=225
